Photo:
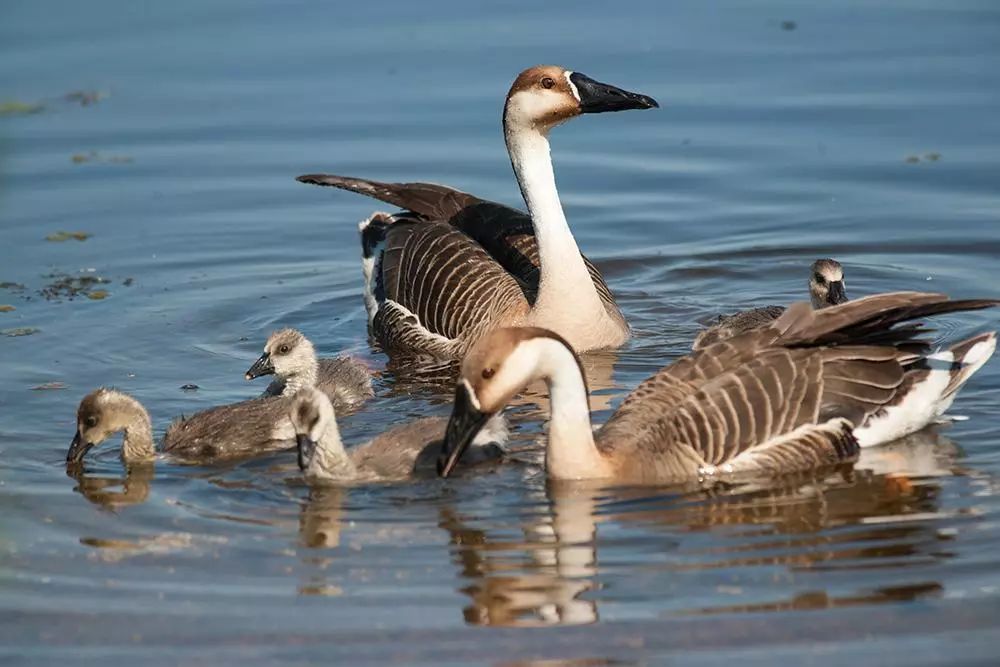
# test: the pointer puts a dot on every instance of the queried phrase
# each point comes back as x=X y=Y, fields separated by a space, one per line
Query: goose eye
x=90 y=421
x=488 y=373
x=283 y=349
x=548 y=82
x=819 y=279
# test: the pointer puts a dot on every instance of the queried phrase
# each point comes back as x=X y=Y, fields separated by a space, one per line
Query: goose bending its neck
x=771 y=400
x=541 y=98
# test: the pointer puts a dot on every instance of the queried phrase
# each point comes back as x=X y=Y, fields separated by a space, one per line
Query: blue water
x=869 y=132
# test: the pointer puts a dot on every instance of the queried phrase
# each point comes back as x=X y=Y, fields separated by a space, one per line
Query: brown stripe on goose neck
x=527 y=333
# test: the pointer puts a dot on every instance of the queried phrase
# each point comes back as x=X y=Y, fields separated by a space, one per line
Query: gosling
x=399 y=453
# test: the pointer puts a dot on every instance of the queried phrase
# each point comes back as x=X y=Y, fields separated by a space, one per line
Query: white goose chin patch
x=572 y=86
x=471 y=394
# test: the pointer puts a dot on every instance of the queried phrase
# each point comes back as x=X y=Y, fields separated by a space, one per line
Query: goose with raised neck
x=826 y=288
x=808 y=390
x=470 y=266
x=241 y=429
x=401 y=452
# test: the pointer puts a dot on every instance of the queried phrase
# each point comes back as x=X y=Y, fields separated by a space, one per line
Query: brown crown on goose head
x=544 y=96
x=473 y=266
x=805 y=391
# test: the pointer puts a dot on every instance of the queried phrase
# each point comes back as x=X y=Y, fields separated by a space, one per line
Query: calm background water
x=865 y=131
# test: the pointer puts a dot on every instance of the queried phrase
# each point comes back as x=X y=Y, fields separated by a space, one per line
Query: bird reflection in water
x=112 y=492
x=884 y=512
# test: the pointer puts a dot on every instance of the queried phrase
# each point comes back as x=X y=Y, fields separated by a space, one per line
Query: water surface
x=789 y=131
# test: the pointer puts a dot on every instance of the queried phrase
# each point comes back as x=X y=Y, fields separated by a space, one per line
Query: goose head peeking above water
x=473 y=266
x=826 y=283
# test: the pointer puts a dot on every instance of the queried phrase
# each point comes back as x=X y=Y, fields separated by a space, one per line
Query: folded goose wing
x=505 y=233
x=784 y=397
x=440 y=289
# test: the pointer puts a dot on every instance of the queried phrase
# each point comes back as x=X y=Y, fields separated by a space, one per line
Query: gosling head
x=288 y=355
x=102 y=413
x=826 y=283
x=495 y=370
x=311 y=413
x=546 y=95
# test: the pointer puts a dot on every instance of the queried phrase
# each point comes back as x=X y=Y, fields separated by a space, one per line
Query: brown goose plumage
x=793 y=395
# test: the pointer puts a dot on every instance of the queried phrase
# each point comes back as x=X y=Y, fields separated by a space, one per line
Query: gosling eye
x=90 y=421
x=283 y=349
x=819 y=279
x=488 y=373
x=548 y=82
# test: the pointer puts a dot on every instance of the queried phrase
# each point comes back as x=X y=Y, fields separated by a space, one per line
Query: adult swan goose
x=807 y=390
x=453 y=267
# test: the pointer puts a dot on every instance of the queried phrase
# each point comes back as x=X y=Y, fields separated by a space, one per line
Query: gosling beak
x=306 y=447
x=78 y=448
x=262 y=366
x=597 y=97
x=464 y=425
x=837 y=294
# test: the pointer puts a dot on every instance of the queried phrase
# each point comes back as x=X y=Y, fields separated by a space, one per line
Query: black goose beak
x=262 y=366
x=464 y=425
x=78 y=448
x=837 y=293
x=306 y=446
x=597 y=97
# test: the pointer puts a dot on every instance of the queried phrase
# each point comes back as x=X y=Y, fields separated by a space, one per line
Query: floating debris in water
x=4 y=308
x=15 y=108
x=69 y=287
x=98 y=294
x=927 y=157
x=14 y=287
x=49 y=386
x=190 y=387
x=61 y=236
x=789 y=25
x=85 y=97
x=128 y=282
x=94 y=156
x=19 y=331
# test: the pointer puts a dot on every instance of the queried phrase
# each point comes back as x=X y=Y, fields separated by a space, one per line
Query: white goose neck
x=571 y=452
x=303 y=379
x=330 y=460
x=564 y=282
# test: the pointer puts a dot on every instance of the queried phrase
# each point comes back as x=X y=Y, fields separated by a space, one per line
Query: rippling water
x=869 y=132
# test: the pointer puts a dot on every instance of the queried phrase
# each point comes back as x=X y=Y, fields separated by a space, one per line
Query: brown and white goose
x=453 y=267
x=291 y=358
x=400 y=452
x=826 y=288
x=806 y=390
x=227 y=431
